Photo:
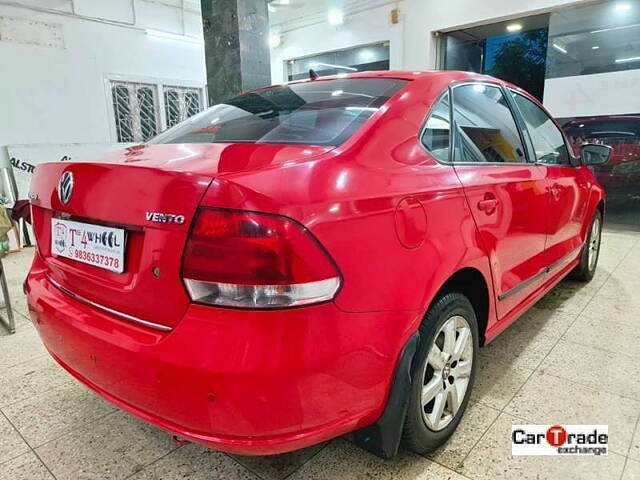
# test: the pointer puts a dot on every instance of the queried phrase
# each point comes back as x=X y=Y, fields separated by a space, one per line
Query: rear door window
x=486 y=130
x=548 y=141
x=321 y=112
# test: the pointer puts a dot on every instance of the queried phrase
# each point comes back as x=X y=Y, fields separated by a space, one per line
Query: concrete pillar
x=236 y=46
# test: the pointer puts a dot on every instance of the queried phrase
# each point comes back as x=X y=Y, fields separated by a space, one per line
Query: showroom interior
x=88 y=78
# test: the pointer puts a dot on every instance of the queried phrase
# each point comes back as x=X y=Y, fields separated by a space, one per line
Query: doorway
x=515 y=51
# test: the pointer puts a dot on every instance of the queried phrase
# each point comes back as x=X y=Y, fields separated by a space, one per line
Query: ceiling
x=290 y=14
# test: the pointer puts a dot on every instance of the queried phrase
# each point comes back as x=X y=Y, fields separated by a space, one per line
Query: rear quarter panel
x=348 y=199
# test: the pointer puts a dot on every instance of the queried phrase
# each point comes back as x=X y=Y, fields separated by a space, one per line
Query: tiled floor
x=574 y=358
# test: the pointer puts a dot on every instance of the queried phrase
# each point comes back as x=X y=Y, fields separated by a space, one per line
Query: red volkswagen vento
x=312 y=259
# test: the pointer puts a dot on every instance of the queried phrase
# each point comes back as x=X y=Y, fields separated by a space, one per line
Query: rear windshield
x=323 y=112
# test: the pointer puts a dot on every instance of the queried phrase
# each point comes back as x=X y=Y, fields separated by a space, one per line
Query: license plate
x=96 y=245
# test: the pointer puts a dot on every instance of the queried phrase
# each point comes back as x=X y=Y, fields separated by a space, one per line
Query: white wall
x=52 y=87
x=611 y=93
x=368 y=26
x=412 y=45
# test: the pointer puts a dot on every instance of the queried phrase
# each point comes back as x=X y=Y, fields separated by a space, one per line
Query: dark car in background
x=621 y=176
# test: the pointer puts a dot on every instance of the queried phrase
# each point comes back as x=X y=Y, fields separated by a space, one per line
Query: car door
x=568 y=184
x=506 y=192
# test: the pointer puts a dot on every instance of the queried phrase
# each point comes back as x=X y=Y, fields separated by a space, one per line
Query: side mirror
x=594 y=154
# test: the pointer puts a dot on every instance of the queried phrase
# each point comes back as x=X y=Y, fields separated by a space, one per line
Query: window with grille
x=180 y=103
x=135 y=107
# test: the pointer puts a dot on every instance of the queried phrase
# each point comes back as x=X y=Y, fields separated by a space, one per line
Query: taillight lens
x=254 y=260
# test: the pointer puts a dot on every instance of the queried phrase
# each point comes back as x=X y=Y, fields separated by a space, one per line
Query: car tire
x=586 y=269
x=433 y=371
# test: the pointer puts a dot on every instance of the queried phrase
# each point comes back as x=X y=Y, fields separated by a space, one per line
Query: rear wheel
x=445 y=366
x=586 y=269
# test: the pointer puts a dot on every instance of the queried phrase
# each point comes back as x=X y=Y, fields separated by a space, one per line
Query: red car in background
x=620 y=177
x=312 y=259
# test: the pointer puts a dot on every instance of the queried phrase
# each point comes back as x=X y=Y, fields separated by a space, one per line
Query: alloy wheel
x=447 y=373
x=594 y=243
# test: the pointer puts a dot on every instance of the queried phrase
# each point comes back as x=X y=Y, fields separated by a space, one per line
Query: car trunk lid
x=152 y=193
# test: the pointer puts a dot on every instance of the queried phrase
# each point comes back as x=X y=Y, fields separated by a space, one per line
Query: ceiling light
x=284 y=2
x=595 y=47
x=628 y=59
x=366 y=55
x=271 y=8
x=274 y=40
x=622 y=27
x=331 y=65
x=335 y=16
x=514 y=27
x=623 y=7
x=559 y=48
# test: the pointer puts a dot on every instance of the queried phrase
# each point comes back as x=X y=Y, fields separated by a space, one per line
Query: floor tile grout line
x=248 y=469
x=589 y=387
x=536 y=369
x=601 y=349
x=464 y=459
x=28 y=450
x=67 y=384
x=45 y=390
x=633 y=435
x=70 y=431
x=454 y=468
x=44 y=354
x=28 y=445
x=258 y=475
x=475 y=444
x=309 y=459
x=154 y=461
x=636 y=430
x=74 y=430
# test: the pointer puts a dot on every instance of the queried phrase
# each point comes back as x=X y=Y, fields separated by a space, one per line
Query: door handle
x=555 y=191
x=488 y=205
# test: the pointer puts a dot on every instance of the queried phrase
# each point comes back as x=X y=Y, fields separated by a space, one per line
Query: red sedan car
x=312 y=259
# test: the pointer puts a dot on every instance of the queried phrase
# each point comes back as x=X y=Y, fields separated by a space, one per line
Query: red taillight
x=255 y=260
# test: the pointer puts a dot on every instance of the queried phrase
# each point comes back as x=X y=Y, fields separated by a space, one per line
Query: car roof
x=450 y=75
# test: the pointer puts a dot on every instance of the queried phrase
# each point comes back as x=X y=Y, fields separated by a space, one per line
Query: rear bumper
x=243 y=382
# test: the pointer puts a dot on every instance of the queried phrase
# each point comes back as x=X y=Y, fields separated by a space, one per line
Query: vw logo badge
x=65 y=187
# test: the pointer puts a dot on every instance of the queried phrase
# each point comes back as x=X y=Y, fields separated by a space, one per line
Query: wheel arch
x=383 y=437
x=596 y=202
x=472 y=284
